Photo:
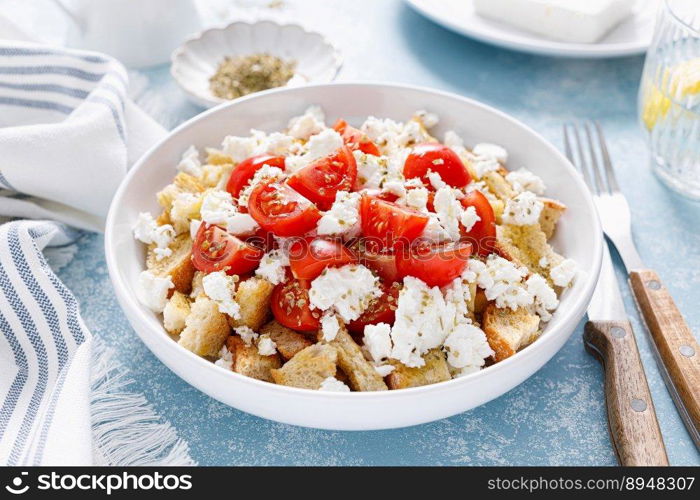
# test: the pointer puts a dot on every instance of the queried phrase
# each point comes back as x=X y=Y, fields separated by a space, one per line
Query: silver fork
x=677 y=351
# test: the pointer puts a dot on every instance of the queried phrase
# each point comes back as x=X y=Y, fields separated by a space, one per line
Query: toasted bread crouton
x=178 y=265
x=434 y=370
x=185 y=207
x=288 y=341
x=249 y=362
x=498 y=185
x=197 y=284
x=175 y=313
x=216 y=157
x=182 y=183
x=216 y=176
x=206 y=329
x=253 y=296
x=550 y=215
x=508 y=330
x=361 y=374
x=308 y=368
x=527 y=246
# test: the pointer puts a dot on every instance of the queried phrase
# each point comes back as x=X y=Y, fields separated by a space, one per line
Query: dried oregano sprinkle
x=242 y=75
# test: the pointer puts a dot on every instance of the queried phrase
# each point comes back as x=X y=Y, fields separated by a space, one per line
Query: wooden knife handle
x=678 y=349
x=634 y=429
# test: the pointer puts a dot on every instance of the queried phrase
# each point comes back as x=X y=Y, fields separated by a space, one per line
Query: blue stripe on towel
x=22 y=51
x=15 y=391
x=32 y=103
x=52 y=70
x=46 y=87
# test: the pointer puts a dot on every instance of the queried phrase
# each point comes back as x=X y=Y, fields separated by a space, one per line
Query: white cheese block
x=578 y=21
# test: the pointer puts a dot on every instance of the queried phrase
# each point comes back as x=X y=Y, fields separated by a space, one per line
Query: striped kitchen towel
x=68 y=135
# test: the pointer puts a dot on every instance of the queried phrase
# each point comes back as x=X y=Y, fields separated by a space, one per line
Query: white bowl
x=318 y=61
x=578 y=236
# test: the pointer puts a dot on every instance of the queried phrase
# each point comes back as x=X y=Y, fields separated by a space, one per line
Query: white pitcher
x=137 y=32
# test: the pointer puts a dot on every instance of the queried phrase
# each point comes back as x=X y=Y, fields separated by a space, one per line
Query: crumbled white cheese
x=239 y=148
x=449 y=211
x=523 y=210
x=272 y=266
x=148 y=231
x=467 y=347
x=247 y=334
x=434 y=231
x=417 y=198
x=429 y=120
x=266 y=346
x=377 y=341
x=329 y=326
x=343 y=217
x=332 y=384
x=263 y=173
x=347 y=290
x=453 y=141
x=225 y=360
x=241 y=224
x=563 y=273
x=483 y=165
x=435 y=180
x=412 y=133
x=320 y=145
x=543 y=262
x=217 y=207
x=153 y=290
x=458 y=292
x=389 y=135
x=276 y=144
x=544 y=298
x=423 y=320
x=384 y=370
x=501 y=281
x=468 y=218
x=371 y=170
x=524 y=180
x=220 y=288
x=395 y=187
x=185 y=207
x=308 y=124
x=190 y=163
x=493 y=151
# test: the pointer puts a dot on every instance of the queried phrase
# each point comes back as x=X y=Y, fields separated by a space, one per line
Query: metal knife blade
x=606 y=304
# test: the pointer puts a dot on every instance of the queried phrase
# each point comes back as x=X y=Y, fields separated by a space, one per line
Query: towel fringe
x=126 y=430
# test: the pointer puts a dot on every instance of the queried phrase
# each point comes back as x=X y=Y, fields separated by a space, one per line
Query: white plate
x=630 y=37
x=578 y=236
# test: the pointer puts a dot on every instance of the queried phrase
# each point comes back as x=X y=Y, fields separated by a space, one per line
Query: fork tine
x=595 y=164
x=567 y=145
x=612 y=179
x=569 y=151
x=583 y=163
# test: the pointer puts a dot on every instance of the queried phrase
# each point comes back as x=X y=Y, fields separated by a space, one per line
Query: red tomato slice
x=386 y=225
x=435 y=265
x=482 y=235
x=381 y=310
x=245 y=170
x=322 y=179
x=382 y=263
x=290 y=306
x=216 y=250
x=438 y=158
x=281 y=210
x=355 y=139
x=308 y=257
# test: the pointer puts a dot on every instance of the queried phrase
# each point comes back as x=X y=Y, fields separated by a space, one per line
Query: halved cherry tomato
x=308 y=257
x=279 y=209
x=245 y=170
x=380 y=310
x=323 y=178
x=382 y=263
x=438 y=158
x=435 y=265
x=291 y=307
x=482 y=235
x=216 y=250
x=262 y=239
x=356 y=139
x=387 y=225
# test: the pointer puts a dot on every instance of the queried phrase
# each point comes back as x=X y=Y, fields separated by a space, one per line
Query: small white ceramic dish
x=632 y=36
x=318 y=61
x=578 y=236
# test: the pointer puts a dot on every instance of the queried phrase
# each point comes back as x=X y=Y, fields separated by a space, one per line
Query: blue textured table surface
x=557 y=417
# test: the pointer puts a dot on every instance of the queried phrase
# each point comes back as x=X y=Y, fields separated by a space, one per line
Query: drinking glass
x=669 y=96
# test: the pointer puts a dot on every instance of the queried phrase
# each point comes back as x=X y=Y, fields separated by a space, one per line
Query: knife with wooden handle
x=609 y=337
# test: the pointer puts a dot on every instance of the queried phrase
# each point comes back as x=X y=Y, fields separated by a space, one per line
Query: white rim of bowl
x=578 y=308
x=176 y=55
